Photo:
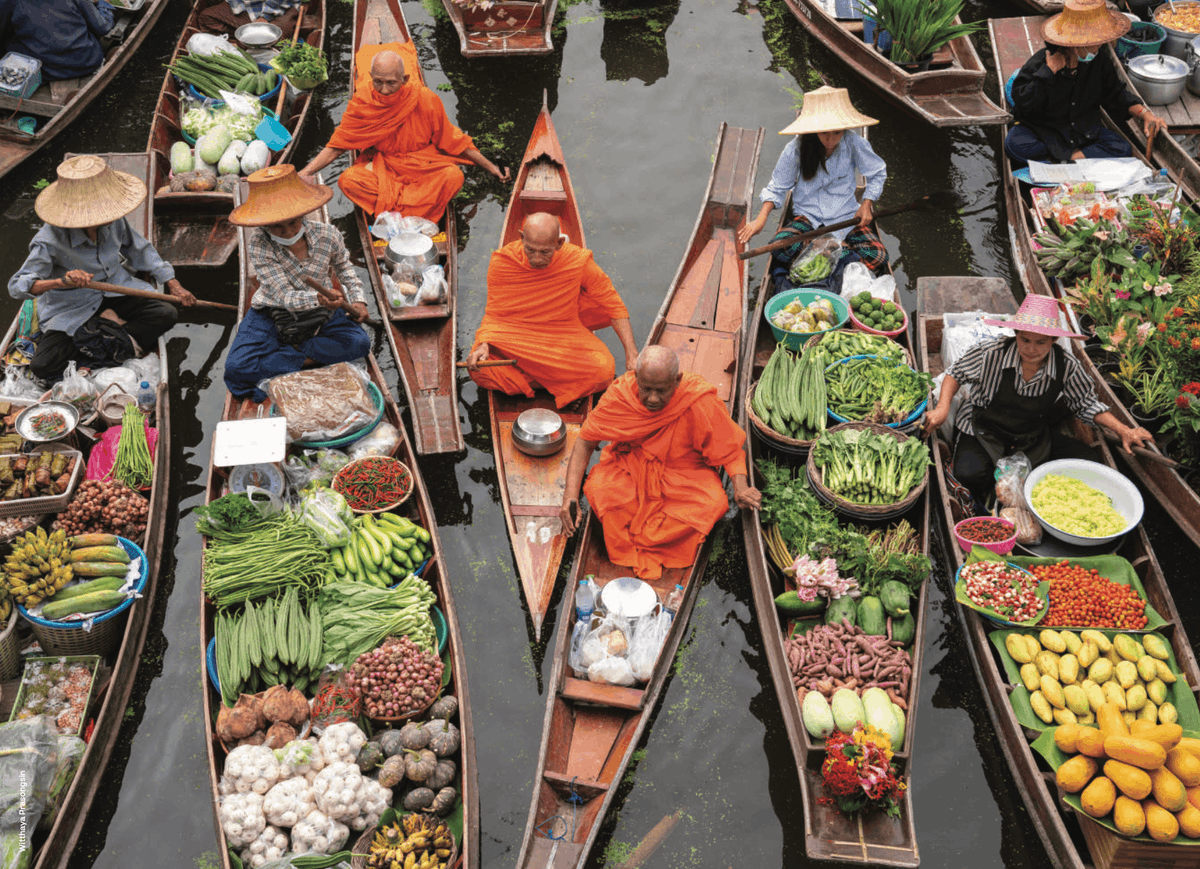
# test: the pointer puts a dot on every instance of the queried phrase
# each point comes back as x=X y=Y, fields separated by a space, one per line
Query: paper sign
x=250 y=441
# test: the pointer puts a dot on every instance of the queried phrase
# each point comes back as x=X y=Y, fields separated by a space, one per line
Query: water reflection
x=634 y=44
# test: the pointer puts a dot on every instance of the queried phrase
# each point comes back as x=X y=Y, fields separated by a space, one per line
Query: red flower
x=1196 y=343
x=1182 y=401
x=1177 y=312
x=1193 y=388
x=1174 y=342
x=1162 y=327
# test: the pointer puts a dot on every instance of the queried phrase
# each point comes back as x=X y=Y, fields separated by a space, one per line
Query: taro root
x=256 y=738
x=299 y=708
x=254 y=703
x=280 y=734
x=283 y=704
x=238 y=721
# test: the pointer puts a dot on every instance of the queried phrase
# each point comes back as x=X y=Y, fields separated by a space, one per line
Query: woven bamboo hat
x=278 y=193
x=826 y=110
x=1036 y=314
x=88 y=193
x=1084 y=22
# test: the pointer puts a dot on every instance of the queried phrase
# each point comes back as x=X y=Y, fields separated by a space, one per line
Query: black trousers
x=145 y=320
x=974 y=468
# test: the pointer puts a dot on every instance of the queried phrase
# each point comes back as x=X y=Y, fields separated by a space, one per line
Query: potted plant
x=918 y=27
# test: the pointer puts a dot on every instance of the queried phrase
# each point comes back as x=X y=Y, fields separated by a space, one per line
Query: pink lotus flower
x=813 y=577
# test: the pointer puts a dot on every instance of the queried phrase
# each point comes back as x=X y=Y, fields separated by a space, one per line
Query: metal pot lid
x=628 y=597
x=539 y=421
x=1159 y=67
x=410 y=244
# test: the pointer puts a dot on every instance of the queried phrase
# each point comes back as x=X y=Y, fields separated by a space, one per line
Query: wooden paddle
x=327 y=293
x=942 y=200
x=488 y=363
x=1158 y=458
x=150 y=294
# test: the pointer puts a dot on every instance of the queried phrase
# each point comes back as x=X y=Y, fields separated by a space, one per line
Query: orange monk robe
x=654 y=488
x=543 y=319
x=410 y=152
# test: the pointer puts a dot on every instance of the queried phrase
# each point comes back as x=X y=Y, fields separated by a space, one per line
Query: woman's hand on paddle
x=176 y=289
x=478 y=354
x=865 y=213
x=1152 y=124
x=77 y=277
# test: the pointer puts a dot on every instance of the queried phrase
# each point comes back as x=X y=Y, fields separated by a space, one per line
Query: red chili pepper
x=371 y=483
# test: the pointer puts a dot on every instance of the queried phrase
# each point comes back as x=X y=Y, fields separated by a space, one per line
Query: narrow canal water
x=637 y=91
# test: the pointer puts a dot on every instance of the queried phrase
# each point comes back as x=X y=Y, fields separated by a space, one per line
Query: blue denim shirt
x=829 y=196
x=267 y=9
x=63 y=34
x=54 y=251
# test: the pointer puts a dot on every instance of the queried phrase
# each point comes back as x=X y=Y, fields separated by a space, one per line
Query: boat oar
x=326 y=293
x=150 y=294
x=653 y=839
x=1158 y=458
x=942 y=200
x=487 y=363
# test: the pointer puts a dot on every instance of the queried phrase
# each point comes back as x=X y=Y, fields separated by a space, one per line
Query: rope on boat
x=576 y=801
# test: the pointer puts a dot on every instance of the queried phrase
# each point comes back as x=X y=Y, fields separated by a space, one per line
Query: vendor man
x=546 y=298
x=87 y=237
x=409 y=152
x=655 y=489
x=228 y=16
x=291 y=325
x=1059 y=92
x=63 y=34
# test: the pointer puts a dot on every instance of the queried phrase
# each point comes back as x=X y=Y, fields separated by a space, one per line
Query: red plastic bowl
x=858 y=324
x=1002 y=548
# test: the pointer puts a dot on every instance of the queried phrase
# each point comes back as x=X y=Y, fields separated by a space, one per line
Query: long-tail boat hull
x=509 y=28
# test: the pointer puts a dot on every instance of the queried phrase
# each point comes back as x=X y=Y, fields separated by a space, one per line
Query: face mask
x=287 y=241
x=1088 y=57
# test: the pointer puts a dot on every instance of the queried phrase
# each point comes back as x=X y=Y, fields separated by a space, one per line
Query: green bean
x=133 y=466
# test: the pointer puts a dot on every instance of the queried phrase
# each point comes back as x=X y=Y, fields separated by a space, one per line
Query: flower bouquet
x=859 y=774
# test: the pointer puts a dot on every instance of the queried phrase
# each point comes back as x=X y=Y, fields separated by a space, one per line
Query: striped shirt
x=281 y=275
x=829 y=197
x=982 y=367
x=267 y=9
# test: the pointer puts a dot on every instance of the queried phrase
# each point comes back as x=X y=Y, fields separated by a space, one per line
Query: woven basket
x=340 y=477
x=772 y=438
x=10 y=650
x=864 y=511
x=363 y=847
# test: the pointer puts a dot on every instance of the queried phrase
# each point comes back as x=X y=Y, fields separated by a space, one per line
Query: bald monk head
x=542 y=238
x=387 y=73
x=657 y=376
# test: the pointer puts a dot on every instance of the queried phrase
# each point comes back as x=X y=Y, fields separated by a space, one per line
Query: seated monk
x=409 y=150
x=654 y=489
x=545 y=299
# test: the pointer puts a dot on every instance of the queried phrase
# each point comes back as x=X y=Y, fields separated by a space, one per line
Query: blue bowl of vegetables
x=907 y=421
x=793 y=303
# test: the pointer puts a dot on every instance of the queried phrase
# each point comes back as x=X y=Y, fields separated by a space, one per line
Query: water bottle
x=145 y=398
x=674 y=599
x=585 y=601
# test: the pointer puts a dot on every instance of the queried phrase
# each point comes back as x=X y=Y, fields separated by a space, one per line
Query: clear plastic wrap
x=252 y=769
x=76 y=390
x=382 y=441
x=29 y=750
x=314 y=467
x=1029 y=530
x=857 y=278
x=242 y=818
x=70 y=752
x=289 y=802
x=817 y=262
x=1011 y=472
x=270 y=845
x=322 y=403
x=649 y=634
x=319 y=834
x=325 y=512
x=19 y=385
x=604 y=652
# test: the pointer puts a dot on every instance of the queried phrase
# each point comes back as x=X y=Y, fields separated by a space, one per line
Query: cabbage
x=198 y=121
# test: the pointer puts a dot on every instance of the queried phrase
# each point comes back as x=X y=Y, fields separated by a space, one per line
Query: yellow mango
x=1102 y=642
x=1133 y=782
x=1164 y=671
x=1167 y=714
x=1071 y=641
x=1030 y=676
x=1053 y=692
x=1087 y=654
x=1167 y=789
x=1095 y=694
x=1041 y=707
x=1126 y=647
x=1088 y=719
x=1149 y=712
x=1128 y=816
x=1076 y=699
x=1064 y=716
x=1147 y=672
x=1130 y=717
x=1184 y=764
x=1017 y=650
x=1157 y=691
x=1113 y=694
x=1126 y=673
x=1053 y=641
x=1101 y=671
x=1031 y=645
x=1099 y=796
x=1135 y=698
x=1065 y=736
x=1047 y=664
x=1161 y=825
x=1068 y=669
x=1090 y=741
x=1189 y=821
x=1156 y=647
x=1073 y=775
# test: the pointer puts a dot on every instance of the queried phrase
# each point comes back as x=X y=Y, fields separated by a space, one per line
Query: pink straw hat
x=1037 y=314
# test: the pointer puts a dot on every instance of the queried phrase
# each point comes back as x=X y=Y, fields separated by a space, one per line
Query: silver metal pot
x=411 y=249
x=257 y=34
x=1177 y=40
x=539 y=431
x=1159 y=78
x=1193 y=62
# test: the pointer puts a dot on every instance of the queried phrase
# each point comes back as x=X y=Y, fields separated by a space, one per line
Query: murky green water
x=637 y=92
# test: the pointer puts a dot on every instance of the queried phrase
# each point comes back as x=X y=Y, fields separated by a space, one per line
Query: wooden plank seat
x=583 y=691
x=567 y=784
x=64 y=90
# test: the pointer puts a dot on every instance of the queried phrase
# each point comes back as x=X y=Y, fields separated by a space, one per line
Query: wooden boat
x=948 y=94
x=531 y=488
x=423 y=337
x=55 y=105
x=193 y=229
x=509 y=28
x=591 y=729
x=1071 y=840
x=1014 y=40
x=868 y=838
x=419 y=508
x=71 y=821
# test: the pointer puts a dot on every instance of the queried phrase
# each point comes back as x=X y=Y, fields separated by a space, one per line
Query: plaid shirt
x=281 y=275
x=262 y=8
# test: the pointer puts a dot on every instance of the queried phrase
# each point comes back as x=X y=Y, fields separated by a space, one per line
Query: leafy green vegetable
x=300 y=60
x=865 y=467
x=357 y=617
x=227 y=515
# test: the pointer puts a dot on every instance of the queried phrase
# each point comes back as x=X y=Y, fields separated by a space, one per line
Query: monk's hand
x=568 y=514
x=77 y=278
x=748 y=497
x=358 y=312
x=501 y=172
x=478 y=354
x=176 y=289
x=1132 y=437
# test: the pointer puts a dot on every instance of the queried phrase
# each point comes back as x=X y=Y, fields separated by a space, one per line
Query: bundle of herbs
x=230 y=518
x=866 y=467
x=872 y=389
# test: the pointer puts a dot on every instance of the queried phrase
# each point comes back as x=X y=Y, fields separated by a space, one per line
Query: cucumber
x=99 y=601
x=384 y=540
x=106 y=583
x=368 y=547
x=407 y=528
x=422 y=535
x=243 y=85
x=350 y=556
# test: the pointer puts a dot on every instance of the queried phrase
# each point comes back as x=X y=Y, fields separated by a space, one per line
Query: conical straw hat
x=88 y=193
x=1037 y=314
x=825 y=110
x=1084 y=22
x=278 y=193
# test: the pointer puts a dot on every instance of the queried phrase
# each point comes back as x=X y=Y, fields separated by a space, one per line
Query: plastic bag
x=649 y=634
x=314 y=467
x=268 y=503
x=29 y=751
x=382 y=441
x=604 y=652
x=324 y=511
x=322 y=403
x=19 y=385
x=1011 y=472
x=612 y=670
x=817 y=262
x=206 y=45
x=70 y=752
x=124 y=377
x=77 y=390
x=240 y=104
x=575 y=656
x=1029 y=530
x=390 y=224
x=146 y=368
x=104 y=453
x=433 y=286
x=857 y=278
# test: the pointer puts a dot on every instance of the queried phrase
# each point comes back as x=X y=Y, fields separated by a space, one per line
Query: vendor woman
x=1021 y=388
x=818 y=168
x=1059 y=92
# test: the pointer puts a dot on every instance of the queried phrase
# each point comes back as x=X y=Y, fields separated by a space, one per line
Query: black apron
x=1016 y=423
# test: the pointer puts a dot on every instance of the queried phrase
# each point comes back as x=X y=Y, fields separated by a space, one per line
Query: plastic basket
x=870 y=330
x=44 y=503
x=32 y=82
x=346 y=440
x=907 y=422
x=92 y=662
x=10 y=650
x=1130 y=47
x=69 y=638
x=795 y=340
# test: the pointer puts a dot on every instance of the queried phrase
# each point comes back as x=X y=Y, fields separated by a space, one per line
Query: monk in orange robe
x=655 y=489
x=545 y=299
x=409 y=152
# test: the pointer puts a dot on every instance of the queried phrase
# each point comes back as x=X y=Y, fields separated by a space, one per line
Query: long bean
x=280 y=553
x=133 y=466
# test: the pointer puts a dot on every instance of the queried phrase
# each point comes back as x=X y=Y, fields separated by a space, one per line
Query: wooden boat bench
x=583 y=691
x=543 y=189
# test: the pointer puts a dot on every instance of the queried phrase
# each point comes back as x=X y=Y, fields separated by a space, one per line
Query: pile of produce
x=101 y=506
x=790 y=395
x=830 y=657
x=58 y=689
x=877 y=314
x=416 y=842
x=875 y=390
x=396 y=679
x=1069 y=251
x=874 y=708
x=817 y=316
x=844 y=343
x=1140 y=777
x=133 y=466
x=865 y=467
x=277 y=552
x=230 y=70
x=1084 y=598
x=302 y=63
x=358 y=617
x=277 y=642
x=1071 y=676
x=1073 y=506
x=418 y=756
x=986 y=530
x=373 y=482
x=1007 y=591
x=272 y=718
x=35 y=476
x=382 y=551
x=38 y=566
